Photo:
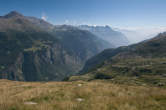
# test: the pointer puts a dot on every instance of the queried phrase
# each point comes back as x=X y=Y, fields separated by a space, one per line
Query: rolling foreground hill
x=95 y=95
x=141 y=63
x=34 y=50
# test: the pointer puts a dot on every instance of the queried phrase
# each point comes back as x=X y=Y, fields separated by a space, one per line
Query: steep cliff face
x=38 y=61
x=52 y=63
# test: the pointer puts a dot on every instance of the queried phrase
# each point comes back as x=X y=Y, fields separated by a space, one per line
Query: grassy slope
x=138 y=71
x=142 y=63
x=95 y=95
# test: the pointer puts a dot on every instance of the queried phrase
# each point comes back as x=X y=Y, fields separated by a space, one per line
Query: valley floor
x=94 y=95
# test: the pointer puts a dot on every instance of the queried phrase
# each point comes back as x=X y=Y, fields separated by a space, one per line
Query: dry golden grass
x=96 y=95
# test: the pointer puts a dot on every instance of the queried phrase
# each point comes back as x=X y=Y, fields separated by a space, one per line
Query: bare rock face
x=48 y=63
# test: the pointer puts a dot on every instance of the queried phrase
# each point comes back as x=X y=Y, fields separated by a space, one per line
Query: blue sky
x=116 y=13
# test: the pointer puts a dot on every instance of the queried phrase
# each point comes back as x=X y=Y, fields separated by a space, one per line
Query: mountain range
x=106 y=33
x=32 y=49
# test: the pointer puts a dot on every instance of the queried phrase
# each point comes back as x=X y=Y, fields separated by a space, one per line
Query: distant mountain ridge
x=106 y=33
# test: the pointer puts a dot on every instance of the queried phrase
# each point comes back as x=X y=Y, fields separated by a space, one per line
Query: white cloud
x=44 y=17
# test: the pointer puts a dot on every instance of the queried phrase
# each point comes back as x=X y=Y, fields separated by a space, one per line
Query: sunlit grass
x=95 y=95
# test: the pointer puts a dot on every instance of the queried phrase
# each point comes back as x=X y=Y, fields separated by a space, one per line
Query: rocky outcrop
x=52 y=63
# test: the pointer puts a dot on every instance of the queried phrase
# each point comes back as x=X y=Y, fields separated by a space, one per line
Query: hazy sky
x=116 y=13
